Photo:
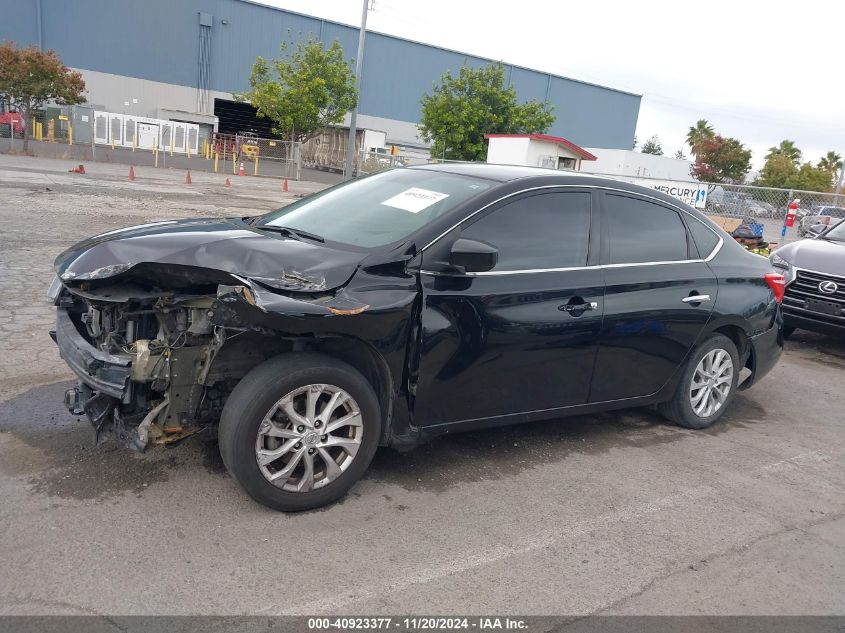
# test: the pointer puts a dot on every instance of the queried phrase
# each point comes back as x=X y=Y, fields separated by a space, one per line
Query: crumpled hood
x=819 y=255
x=227 y=245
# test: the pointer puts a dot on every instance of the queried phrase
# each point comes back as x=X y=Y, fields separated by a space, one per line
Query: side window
x=549 y=230
x=704 y=238
x=640 y=231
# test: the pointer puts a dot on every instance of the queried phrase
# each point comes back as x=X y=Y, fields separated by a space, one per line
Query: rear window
x=639 y=231
x=704 y=238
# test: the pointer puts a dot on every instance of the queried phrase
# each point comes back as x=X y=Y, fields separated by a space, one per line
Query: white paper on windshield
x=415 y=199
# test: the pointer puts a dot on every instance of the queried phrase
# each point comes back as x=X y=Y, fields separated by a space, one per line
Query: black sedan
x=815 y=276
x=412 y=303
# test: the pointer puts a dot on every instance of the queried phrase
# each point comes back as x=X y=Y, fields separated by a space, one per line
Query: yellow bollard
x=35 y=128
x=111 y=136
x=172 y=138
x=234 y=164
x=255 y=167
x=155 y=153
x=70 y=134
x=215 y=162
x=134 y=138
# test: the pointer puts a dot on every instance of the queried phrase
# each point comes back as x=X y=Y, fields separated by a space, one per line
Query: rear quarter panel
x=744 y=298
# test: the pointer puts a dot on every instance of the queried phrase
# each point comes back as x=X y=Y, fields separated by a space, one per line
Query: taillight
x=777 y=283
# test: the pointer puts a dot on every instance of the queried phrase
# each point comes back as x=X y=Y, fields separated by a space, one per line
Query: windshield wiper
x=285 y=230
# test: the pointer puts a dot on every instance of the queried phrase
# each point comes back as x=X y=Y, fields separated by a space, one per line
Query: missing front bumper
x=103 y=372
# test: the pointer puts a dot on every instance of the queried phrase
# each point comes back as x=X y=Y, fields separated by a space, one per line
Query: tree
x=304 y=91
x=780 y=171
x=698 y=133
x=463 y=108
x=787 y=149
x=30 y=78
x=680 y=155
x=721 y=159
x=831 y=163
x=652 y=146
x=810 y=178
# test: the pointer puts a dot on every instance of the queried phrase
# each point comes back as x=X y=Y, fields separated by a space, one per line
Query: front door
x=523 y=336
x=659 y=294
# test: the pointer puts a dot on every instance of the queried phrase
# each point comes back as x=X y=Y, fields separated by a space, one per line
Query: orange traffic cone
x=241 y=170
x=188 y=178
x=131 y=172
x=228 y=184
x=78 y=170
x=285 y=185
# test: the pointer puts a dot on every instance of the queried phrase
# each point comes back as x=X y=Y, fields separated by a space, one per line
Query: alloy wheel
x=309 y=437
x=711 y=383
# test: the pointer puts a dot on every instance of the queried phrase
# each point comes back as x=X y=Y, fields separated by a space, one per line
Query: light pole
x=353 y=119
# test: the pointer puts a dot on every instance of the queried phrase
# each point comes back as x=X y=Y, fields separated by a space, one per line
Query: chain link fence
x=259 y=156
x=54 y=124
x=372 y=162
x=768 y=207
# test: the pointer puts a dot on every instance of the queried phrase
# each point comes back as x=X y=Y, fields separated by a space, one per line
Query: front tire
x=299 y=430
x=707 y=386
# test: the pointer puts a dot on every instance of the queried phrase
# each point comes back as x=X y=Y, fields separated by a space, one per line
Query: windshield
x=836 y=233
x=380 y=209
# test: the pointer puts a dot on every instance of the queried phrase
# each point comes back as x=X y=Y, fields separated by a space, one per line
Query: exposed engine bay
x=165 y=355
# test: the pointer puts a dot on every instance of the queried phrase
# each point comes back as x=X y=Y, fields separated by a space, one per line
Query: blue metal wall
x=157 y=40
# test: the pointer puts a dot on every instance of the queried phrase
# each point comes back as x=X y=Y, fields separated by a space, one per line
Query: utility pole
x=841 y=175
x=353 y=120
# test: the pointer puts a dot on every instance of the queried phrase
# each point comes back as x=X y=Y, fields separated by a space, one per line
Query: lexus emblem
x=828 y=287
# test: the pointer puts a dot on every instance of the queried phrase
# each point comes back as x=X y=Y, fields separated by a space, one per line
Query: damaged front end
x=144 y=361
x=157 y=365
x=160 y=322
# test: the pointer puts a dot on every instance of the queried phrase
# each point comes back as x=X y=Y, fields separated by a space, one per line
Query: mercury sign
x=694 y=194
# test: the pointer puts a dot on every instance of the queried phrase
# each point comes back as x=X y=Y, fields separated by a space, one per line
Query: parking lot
x=615 y=513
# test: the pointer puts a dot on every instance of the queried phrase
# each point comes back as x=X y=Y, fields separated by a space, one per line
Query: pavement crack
x=714 y=556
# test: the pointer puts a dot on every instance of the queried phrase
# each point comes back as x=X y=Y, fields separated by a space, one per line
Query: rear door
x=521 y=337
x=659 y=294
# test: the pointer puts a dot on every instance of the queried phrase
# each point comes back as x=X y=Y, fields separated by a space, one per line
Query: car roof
x=500 y=173
x=539 y=176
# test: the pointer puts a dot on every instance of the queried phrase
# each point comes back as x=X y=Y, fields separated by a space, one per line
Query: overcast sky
x=759 y=71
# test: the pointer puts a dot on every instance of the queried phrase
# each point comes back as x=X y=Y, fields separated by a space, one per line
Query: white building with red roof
x=535 y=150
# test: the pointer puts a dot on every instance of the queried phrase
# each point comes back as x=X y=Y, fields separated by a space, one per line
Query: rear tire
x=707 y=386
x=299 y=430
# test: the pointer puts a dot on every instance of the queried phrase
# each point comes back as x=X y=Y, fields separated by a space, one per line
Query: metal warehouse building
x=182 y=59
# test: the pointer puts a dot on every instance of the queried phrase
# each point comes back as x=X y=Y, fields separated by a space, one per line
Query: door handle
x=696 y=298
x=578 y=307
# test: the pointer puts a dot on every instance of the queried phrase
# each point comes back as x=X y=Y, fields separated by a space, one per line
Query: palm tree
x=786 y=149
x=701 y=131
x=830 y=162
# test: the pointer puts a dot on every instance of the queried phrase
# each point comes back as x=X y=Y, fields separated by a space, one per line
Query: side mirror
x=472 y=256
x=816 y=229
